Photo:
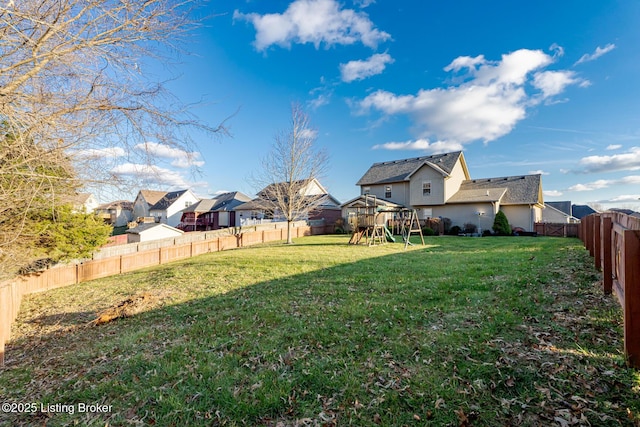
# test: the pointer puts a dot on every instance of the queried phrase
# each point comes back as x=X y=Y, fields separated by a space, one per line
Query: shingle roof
x=580 y=211
x=152 y=196
x=228 y=201
x=516 y=190
x=203 y=205
x=167 y=200
x=473 y=195
x=140 y=228
x=300 y=185
x=564 y=207
x=122 y=204
x=363 y=200
x=401 y=170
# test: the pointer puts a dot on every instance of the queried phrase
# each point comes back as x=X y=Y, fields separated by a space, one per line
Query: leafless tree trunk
x=289 y=169
x=75 y=90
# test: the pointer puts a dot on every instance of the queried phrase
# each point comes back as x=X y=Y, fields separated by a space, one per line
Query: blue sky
x=540 y=87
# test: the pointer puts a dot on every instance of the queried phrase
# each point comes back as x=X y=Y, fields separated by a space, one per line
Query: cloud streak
x=606 y=183
x=617 y=162
x=420 y=144
x=587 y=57
x=360 y=70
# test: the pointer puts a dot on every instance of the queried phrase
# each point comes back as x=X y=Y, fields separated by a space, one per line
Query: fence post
x=632 y=297
x=597 y=241
x=606 y=254
x=590 y=234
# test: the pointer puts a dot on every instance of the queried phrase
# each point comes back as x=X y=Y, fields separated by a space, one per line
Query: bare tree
x=75 y=83
x=288 y=172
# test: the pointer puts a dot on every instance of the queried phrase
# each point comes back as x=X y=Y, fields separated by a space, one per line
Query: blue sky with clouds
x=541 y=87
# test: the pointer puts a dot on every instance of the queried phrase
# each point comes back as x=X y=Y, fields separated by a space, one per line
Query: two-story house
x=168 y=210
x=320 y=204
x=440 y=186
x=143 y=202
x=213 y=214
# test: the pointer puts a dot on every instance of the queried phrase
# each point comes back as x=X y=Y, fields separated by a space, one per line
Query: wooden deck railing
x=613 y=240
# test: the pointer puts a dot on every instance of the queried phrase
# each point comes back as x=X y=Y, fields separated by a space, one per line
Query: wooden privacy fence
x=11 y=292
x=613 y=240
x=556 y=229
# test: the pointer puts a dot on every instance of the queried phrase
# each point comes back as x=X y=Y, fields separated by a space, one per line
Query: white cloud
x=420 y=144
x=180 y=158
x=486 y=106
x=557 y=50
x=155 y=174
x=614 y=147
x=363 y=3
x=360 y=70
x=616 y=162
x=539 y=172
x=100 y=153
x=597 y=54
x=626 y=198
x=552 y=193
x=313 y=21
x=606 y=183
x=320 y=100
x=552 y=83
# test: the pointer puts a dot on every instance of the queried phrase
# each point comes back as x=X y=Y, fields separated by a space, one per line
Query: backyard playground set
x=369 y=224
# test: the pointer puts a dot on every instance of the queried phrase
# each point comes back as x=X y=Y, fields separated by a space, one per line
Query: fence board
x=140 y=260
x=274 y=235
x=228 y=242
x=174 y=253
x=252 y=238
x=606 y=234
x=97 y=269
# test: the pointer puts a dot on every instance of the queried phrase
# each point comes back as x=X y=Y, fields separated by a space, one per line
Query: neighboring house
x=151 y=231
x=168 y=210
x=118 y=213
x=84 y=202
x=580 y=211
x=143 y=202
x=213 y=214
x=440 y=186
x=262 y=208
x=558 y=212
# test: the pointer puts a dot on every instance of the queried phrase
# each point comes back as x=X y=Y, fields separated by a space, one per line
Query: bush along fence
x=613 y=240
x=135 y=257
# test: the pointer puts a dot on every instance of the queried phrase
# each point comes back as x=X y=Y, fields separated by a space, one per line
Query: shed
x=151 y=231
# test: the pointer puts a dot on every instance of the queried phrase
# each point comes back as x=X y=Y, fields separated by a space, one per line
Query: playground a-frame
x=368 y=224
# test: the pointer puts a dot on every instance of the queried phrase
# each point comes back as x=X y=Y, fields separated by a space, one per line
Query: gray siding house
x=440 y=186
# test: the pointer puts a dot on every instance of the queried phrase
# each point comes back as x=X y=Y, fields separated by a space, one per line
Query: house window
x=387 y=192
x=366 y=190
x=187 y=204
x=426 y=188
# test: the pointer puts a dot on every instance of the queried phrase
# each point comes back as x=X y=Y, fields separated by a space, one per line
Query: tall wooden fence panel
x=556 y=229
x=131 y=258
x=613 y=239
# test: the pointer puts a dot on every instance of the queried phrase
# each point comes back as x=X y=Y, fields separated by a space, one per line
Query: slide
x=390 y=237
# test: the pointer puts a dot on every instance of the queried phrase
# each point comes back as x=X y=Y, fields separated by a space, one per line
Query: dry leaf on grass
x=127 y=308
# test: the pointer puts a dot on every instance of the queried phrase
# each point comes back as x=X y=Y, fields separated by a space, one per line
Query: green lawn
x=462 y=331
